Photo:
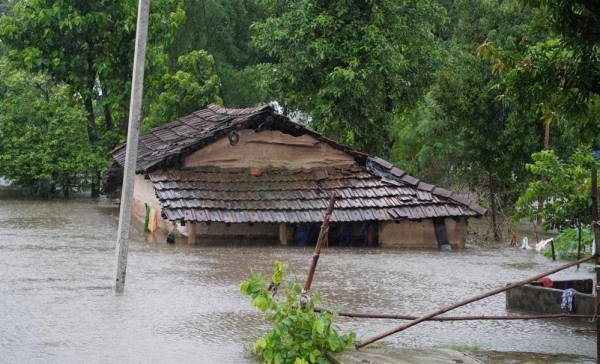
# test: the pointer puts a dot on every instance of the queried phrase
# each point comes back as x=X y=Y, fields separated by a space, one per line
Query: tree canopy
x=408 y=81
x=43 y=143
x=350 y=65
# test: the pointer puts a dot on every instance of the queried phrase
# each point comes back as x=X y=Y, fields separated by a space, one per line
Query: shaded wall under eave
x=421 y=234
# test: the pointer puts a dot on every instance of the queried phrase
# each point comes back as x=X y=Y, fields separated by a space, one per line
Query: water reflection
x=181 y=303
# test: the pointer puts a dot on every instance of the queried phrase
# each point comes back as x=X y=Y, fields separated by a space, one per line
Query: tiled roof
x=294 y=196
x=371 y=189
x=167 y=146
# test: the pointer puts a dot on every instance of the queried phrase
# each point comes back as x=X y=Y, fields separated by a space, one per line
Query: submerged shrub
x=565 y=244
x=300 y=335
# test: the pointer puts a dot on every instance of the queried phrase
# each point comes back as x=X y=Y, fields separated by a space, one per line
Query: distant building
x=253 y=174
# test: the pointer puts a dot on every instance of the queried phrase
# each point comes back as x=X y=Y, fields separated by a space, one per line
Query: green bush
x=300 y=335
x=565 y=244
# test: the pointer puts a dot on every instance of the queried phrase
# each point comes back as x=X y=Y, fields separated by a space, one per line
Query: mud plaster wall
x=268 y=149
x=144 y=194
x=421 y=234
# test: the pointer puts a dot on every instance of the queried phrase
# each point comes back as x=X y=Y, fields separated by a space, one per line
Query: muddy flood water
x=181 y=303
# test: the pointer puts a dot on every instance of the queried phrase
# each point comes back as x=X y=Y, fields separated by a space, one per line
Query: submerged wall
x=421 y=234
x=548 y=300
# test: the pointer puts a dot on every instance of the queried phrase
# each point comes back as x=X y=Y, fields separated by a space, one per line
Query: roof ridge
x=241 y=111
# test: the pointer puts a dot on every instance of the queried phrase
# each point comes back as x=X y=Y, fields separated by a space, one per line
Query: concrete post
x=135 y=110
x=283 y=234
x=596 y=231
x=191 y=231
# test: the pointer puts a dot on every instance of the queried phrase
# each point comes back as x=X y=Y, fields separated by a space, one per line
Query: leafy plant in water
x=300 y=335
x=565 y=244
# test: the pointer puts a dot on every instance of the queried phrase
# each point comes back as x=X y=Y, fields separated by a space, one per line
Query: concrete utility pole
x=135 y=110
x=596 y=231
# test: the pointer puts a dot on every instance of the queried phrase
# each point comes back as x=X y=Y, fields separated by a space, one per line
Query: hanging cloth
x=152 y=221
x=567 y=299
x=146 y=217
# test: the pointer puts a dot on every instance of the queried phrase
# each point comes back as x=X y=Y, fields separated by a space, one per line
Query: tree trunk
x=89 y=108
x=547 y=120
x=95 y=187
x=67 y=188
x=91 y=119
x=107 y=114
x=493 y=206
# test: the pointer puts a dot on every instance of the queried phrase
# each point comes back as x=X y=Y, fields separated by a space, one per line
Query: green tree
x=43 y=143
x=464 y=134
x=564 y=187
x=350 y=65
x=557 y=77
x=576 y=24
x=222 y=28
x=496 y=139
x=89 y=47
x=192 y=87
x=5 y=10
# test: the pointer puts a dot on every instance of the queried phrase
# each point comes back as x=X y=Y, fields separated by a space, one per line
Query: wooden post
x=283 y=234
x=191 y=231
x=322 y=236
x=135 y=111
x=578 y=238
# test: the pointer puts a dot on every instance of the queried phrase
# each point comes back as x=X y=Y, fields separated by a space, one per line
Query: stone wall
x=546 y=300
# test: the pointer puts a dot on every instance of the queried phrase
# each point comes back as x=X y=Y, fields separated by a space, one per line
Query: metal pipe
x=458 y=318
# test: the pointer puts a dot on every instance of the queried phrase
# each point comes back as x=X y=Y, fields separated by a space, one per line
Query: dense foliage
x=566 y=245
x=350 y=65
x=564 y=186
x=300 y=335
x=459 y=93
x=192 y=87
x=43 y=143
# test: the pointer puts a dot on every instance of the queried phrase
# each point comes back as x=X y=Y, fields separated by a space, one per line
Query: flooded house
x=254 y=175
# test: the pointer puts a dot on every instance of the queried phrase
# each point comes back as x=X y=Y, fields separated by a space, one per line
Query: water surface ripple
x=181 y=303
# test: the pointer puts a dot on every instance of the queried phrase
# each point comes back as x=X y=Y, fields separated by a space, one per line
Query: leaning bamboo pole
x=458 y=318
x=361 y=343
x=322 y=235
